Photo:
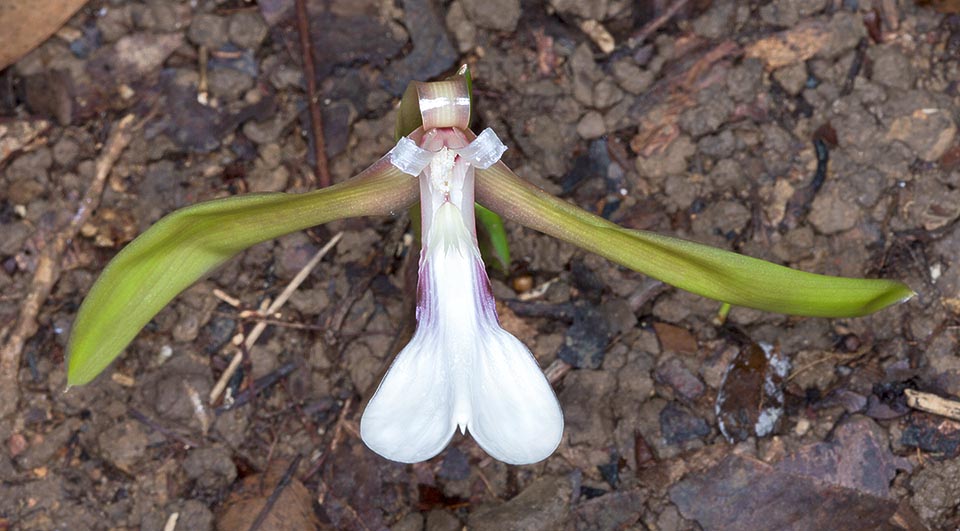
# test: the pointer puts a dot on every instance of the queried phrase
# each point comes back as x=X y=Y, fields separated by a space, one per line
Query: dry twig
x=309 y=72
x=262 y=325
x=48 y=267
x=933 y=404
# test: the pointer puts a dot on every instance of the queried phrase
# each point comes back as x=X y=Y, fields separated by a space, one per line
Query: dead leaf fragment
x=750 y=401
x=789 y=47
x=675 y=339
x=27 y=23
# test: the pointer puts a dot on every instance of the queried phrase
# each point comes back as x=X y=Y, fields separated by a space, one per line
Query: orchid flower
x=460 y=369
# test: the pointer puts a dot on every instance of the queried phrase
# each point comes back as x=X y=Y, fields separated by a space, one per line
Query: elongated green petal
x=189 y=243
x=722 y=275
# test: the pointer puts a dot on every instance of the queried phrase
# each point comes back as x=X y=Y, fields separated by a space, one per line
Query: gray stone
x=714 y=110
x=411 y=522
x=929 y=132
x=591 y=126
x=499 y=15
x=464 y=32
x=844 y=31
x=936 y=490
x=718 y=21
x=585 y=400
x=793 y=78
x=544 y=505
x=892 y=68
x=744 y=81
x=720 y=145
x=631 y=77
x=124 y=444
x=672 y=161
x=593 y=10
x=212 y=468
x=441 y=520
x=65 y=151
x=229 y=84
x=247 y=29
x=208 y=30
x=830 y=213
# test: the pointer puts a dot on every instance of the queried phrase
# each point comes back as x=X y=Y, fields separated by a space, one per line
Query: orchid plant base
x=461 y=370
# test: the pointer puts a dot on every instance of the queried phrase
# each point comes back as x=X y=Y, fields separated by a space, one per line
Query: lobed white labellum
x=461 y=369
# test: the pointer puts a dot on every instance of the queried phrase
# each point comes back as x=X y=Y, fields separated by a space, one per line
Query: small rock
x=411 y=522
x=781 y=13
x=676 y=375
x=65 y=151
x=929 y=132
x=892 y=68
x=718 y=21
x=310 y=301
x=208 y=30
x=264 y=132
x=464 y=32
x=844 y=31
x=212 y=468
x=585 y=343
x=793 y=78
x=114 y=23
x=720 y=145
x=672 y=161
x=500 y=15
x=543 y=505
x=631 y=77
x=596 y=10
x=247 y=29
x=455 y=465
x=229 y=84
x=714 y=110
x=585 y=399
x=362 y=365
x=606 y=94
x=192 y=514
x=678 y=425
x=936 y=490
x=744 y=81
x=591 y=126
x=263 y=180
x=442 y=520
x=721 y=220
x=830 y=213
x=124 y=444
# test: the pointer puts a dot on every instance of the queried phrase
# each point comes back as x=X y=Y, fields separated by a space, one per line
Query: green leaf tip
x=189 y=243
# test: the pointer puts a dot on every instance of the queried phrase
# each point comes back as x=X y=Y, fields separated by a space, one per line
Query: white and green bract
x=461 y=369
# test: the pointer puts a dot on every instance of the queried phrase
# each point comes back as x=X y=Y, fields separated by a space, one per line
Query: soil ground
x=716 y=125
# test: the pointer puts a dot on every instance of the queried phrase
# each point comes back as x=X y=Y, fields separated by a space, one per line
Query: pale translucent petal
x=484 y=151
x=515 y=415
x=408 y=157
x=410 y=418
